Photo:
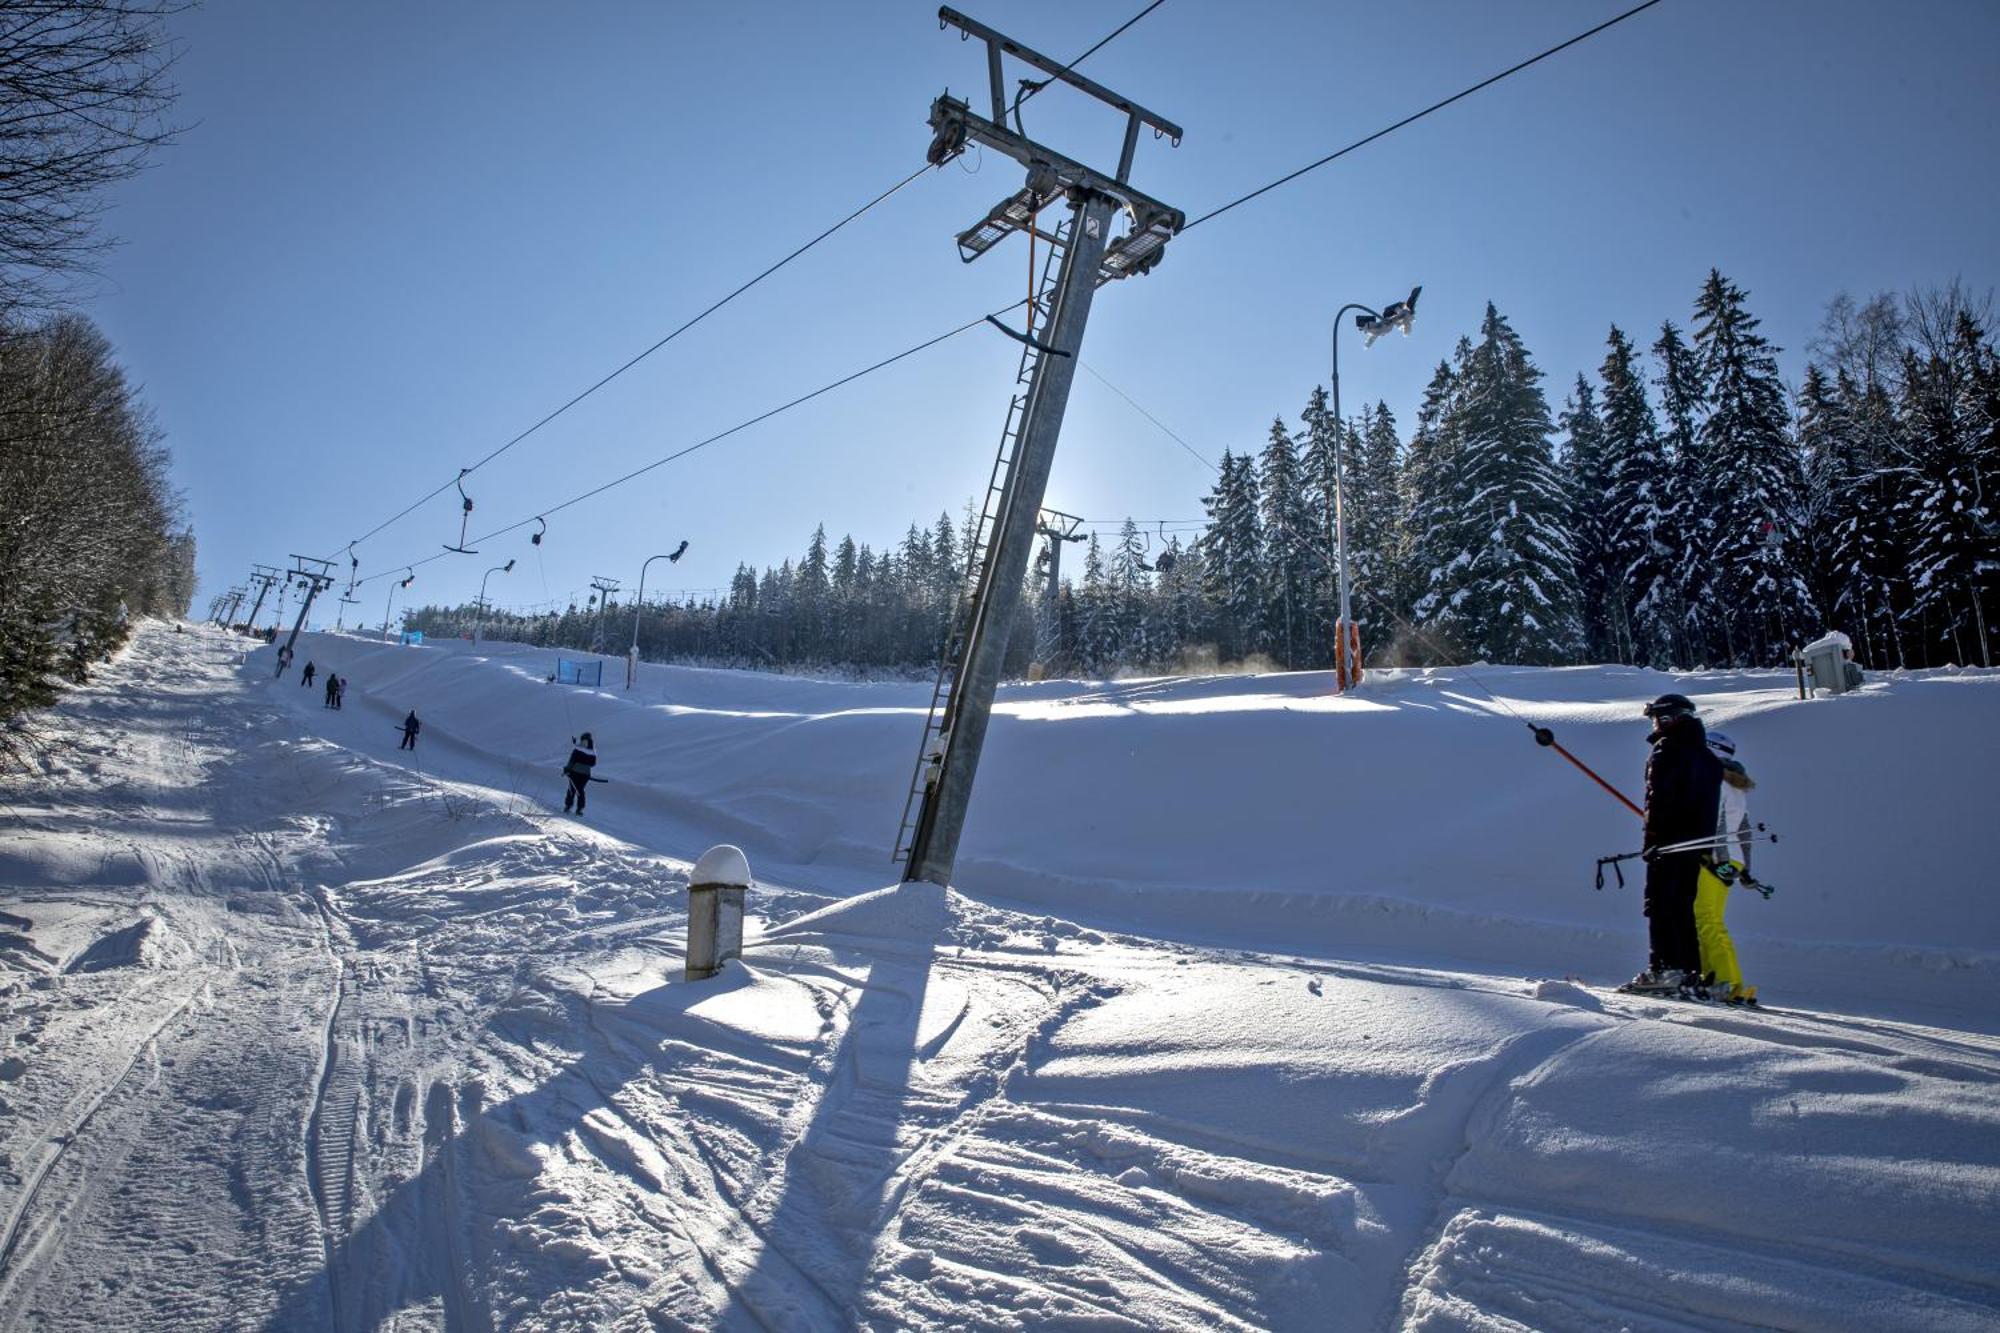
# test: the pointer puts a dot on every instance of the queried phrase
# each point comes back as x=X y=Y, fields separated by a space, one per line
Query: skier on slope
x=410 y=729
x=306 y=676
x=581 y=760
x=332 y=688
x=1683 y=793
x=1725 y=866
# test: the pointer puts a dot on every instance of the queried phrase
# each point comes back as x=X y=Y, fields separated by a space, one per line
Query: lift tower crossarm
x=998 y=43
x=1051 y=175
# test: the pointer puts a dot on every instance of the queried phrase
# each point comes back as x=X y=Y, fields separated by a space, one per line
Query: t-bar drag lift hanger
x=464 y=514
x=1081 y=257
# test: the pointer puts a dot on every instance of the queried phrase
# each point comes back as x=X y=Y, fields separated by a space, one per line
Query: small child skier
x=1726 y=865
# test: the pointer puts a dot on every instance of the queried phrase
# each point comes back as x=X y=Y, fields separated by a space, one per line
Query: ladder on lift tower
x=1017 y=214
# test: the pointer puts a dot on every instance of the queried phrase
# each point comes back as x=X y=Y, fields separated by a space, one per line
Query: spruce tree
x=1751 y=482
x=1637 y=473
x=1319 y=435
x=1233 y=558
x=1587 y=513
x=1515 y=594
x=1951 y=396
x=1675 y=608
x=1287 y=550
x=1429 y=503
x=1375 y=541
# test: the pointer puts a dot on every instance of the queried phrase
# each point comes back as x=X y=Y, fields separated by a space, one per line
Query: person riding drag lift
x=1683 y=794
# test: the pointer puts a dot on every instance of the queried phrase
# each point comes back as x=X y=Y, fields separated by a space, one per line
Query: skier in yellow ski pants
x=1718 y=953
x=1732 y=860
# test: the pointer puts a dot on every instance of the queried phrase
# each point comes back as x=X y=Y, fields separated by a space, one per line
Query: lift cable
x=765 y=415
x=646 y=353
x=1029 y=87
x=1435 y=106
x=397 y=517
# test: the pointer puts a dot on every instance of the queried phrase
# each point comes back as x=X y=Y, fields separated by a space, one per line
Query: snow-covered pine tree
x=811 y=597
x=1636 y=472
x=1429 y=504
x=1856 y=559
x=844 y=602
x=1318 y=434
x=1130 y=589
x=1586 y=472
x=1233 y=558
x=1675 y=610
x=1375 y=542
x=1182 y=610
x=1288 y=555
x=1518 y=584
x=1751 y=481
x=1951 y=398
x=1095 y=631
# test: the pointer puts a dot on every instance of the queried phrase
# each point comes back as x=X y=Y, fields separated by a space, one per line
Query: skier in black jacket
x=1683 y=792
x=410 y=729
x=584 y=758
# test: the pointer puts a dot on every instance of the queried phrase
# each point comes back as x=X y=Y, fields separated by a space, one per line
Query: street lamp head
x=1397 y=315
x=508 y=568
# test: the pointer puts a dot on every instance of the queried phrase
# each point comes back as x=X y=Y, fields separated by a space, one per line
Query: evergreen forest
x=1683 y=506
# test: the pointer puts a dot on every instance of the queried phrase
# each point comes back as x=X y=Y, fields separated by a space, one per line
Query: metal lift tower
x=314 y=581
x=1056 y=527
x=263 y=576
x=1081 y=256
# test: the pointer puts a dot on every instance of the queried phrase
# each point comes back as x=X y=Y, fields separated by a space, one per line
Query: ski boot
x=1650 y=982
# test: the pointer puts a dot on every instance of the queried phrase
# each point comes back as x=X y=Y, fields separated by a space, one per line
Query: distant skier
x=1683 y=792
x=339 y=691
x=410 y=729
x=1725 y=866
x=306 y=676
x=581 y=760
x=332 y=689
x=284 y=658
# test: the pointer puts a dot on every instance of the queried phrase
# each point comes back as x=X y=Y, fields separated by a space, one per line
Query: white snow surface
x=1254 y=1007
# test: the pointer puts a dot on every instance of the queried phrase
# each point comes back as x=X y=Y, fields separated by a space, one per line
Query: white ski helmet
x=1720 y=743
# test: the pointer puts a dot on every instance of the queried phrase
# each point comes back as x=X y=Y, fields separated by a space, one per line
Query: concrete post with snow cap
x=715 y=909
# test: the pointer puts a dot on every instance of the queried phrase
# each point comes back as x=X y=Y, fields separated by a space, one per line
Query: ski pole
x=1543 y=736
x=1713 y=840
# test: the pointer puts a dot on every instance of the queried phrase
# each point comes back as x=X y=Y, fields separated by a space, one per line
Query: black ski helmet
x=1671 y=705
x=588 y=743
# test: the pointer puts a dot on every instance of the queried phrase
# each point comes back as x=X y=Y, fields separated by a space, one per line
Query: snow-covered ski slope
x=1250 y=1013
x=1413 y=821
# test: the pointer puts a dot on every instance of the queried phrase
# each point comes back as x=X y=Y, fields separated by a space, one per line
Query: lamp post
x=399 y=583
x=479 y=619
x=1373 y=324
x=638 y=606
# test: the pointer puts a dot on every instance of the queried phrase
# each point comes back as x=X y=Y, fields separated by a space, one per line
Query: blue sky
x=393 y=236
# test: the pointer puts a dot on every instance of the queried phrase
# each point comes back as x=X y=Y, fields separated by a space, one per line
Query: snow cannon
x=715 y=910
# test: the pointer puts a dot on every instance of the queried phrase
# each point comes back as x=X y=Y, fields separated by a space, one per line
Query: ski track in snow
x=300 y=1033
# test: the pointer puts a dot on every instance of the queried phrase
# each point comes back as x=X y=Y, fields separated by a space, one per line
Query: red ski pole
x=1543 y=736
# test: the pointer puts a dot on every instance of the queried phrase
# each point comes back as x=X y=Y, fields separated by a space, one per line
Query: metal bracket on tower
x=1052 y=175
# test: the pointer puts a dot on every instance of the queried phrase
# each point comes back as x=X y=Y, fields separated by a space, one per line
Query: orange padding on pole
x=1347 y=655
